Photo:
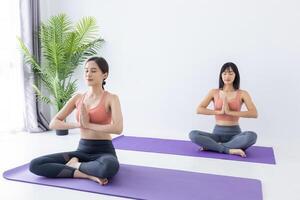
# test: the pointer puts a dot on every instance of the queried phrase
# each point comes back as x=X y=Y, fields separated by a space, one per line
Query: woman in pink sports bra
x=226 y=136
x=98 y=116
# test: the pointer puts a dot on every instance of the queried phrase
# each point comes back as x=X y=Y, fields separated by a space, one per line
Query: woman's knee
x=193 y=135
x=35 y=164
x=252 y=136
x=110 y=166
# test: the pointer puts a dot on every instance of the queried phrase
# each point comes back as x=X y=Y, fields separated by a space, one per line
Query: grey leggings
x=224 y=138
x=98 y=159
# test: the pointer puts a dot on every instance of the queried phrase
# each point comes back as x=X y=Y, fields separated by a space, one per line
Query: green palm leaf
x=64 y=47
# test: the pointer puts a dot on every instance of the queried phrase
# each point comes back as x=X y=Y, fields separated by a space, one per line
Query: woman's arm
x=251 y=109
x=202 y=108
x=116 y=127
x=58 y=121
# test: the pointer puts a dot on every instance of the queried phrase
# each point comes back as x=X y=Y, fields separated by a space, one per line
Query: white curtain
x=11 y=78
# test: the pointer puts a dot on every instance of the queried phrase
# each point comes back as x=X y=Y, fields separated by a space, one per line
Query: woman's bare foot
x=79 y=174
x=202 y=149
x=73 y=162
x=238 y=152
x=101 y=181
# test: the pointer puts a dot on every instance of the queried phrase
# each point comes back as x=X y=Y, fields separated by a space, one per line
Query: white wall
x=165 y=55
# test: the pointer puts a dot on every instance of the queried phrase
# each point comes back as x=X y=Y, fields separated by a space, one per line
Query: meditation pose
x=98 y=115
x=226 y=136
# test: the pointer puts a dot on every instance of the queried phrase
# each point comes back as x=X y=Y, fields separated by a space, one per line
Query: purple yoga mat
x=154 y=183
x=255 y=154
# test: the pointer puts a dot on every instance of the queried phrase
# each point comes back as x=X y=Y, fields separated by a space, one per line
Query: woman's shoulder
x=214 y=91
x=243 y=93
x=111 y=96
x=76 y=97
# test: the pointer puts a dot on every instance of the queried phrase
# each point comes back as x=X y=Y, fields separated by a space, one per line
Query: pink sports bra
x=98 y=114
x=234 y=104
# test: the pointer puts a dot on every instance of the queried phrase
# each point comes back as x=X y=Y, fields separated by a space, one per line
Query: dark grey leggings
x=224 y=138
x=98 y=158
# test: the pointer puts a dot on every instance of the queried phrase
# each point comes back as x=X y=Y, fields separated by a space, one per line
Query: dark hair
x=102 y=64
x=236 y=82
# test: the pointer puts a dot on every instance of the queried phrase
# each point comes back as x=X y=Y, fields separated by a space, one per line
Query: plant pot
x=62 y=132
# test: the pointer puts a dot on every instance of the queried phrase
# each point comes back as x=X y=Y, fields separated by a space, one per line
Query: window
x=11 y=78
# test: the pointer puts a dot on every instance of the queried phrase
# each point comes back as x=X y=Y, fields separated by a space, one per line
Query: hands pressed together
x=84 y=119
x=225 y=108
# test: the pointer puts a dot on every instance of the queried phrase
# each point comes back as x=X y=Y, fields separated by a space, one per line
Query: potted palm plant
x=64 y=47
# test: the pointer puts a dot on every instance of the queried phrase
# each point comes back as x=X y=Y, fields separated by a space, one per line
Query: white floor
x=280 y=181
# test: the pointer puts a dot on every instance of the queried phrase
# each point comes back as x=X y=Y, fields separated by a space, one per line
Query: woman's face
x=93 y=75
x=228 y=76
